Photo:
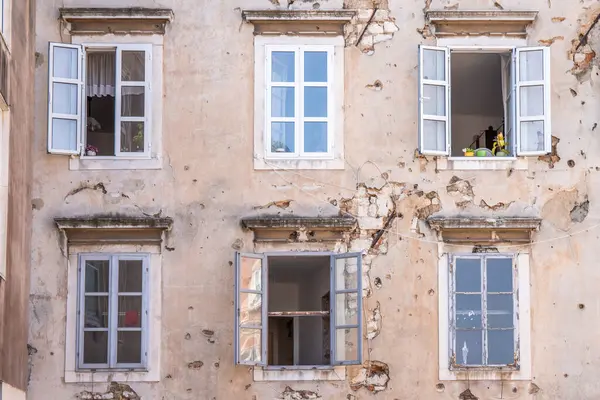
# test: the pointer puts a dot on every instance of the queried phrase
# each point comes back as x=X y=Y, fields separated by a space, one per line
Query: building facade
x=271 y=199
x=17 y=65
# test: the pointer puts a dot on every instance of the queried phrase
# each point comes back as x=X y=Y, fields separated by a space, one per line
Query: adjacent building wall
x=18 y=124
x=208 y=183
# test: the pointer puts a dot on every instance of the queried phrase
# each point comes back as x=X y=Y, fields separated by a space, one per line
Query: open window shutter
x=250 y=309
x=510 y=121
x=65 y=86
x=434 y=100
x=533 y=101
x=346 y=309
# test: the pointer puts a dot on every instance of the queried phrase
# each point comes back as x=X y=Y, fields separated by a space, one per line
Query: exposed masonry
x=586 y=47
x=291 y=394
x=372 y=24
x=115 y=391
x=373 y=376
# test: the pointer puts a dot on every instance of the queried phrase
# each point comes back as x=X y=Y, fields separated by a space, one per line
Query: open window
x=99 y=100
x=484 y=102
x=298 y=310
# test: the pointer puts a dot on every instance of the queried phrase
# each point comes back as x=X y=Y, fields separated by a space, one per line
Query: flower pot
x=90 y=153
x=469 y=154
x=502 y=153
x=481 y=153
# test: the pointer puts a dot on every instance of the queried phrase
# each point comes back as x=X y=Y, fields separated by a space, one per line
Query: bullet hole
x=573 y=92
x=581 y=306
x=594 y=126
x=333 y=202
x=440 y=387
x=195 y=364
x=418 y=277
x=188 y=336
x=248 y=386
x=431 y=292
x=186 y=167
x=169 y=376
x=207 y=332
x=169 y=248
x=216 y=365
x=316 y=6
x=51 y=353
x=189 y=390
x=514 y=390
x=190 y=308
x=194 y=180
x=533 y=388
x=377 y=85
x=571 y=163
x=377 y=283
x=566 y=375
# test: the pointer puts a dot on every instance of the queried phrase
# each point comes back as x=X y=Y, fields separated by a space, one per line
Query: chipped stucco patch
x=291 y=394
x=586 y=47
x=374 y=322
x=372 y=24
x=373 y=376
x=115 y=391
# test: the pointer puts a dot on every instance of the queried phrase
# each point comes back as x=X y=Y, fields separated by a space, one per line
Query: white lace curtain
x=100 y=74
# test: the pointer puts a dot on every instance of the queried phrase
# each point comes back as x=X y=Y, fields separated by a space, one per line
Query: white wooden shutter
x=250 y=309
x=65 y=91
x=434 y=100
x=533 y=128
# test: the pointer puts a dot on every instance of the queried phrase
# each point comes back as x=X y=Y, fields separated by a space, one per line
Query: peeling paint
x=115 y=391
x=553 y=157
x=467 y=395
x=291 y=394
x=373 y=376
x=374 y=322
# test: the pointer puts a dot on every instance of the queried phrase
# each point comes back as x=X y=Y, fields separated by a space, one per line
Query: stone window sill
x=298 y=374
x=110 y=376
x=93 y=163
x=482 y=163
x=298 y=164
x=484 y=374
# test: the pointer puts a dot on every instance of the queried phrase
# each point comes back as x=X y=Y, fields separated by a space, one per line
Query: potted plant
x=91 y=150
x=469 y=152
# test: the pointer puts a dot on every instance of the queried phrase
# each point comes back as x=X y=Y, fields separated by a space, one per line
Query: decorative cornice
x=512 y=223
x=289 y=228
x=113 y=222
x=469 y=22
x=262 y=16
x=116 y=20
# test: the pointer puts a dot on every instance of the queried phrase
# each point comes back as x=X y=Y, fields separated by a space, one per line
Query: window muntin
x=484 y=329
x=299 y=101
x=340 y=310
x=112 y=311
x=117 y=82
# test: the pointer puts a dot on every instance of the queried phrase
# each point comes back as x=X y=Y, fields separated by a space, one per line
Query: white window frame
x=272 y=372
x=113 y=310
x=516 y=46
x=264 y=158
x=5 y=21
x=150 y=372
x=522 y=330
x=4 y=166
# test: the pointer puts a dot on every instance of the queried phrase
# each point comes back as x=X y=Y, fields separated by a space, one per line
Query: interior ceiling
x=476 y=84
x=291 y=268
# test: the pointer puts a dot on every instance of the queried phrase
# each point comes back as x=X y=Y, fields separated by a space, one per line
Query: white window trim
x=524 y=326
x=6 y=21
x=153 y=335
x=153 y=159
x=263 y=158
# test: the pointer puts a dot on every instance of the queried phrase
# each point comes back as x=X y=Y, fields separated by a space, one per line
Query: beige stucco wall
x=208 y=183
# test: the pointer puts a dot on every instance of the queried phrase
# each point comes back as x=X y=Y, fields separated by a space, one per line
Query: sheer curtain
x=100 y=74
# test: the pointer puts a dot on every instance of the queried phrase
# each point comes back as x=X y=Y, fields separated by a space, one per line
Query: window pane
x=65 y=63
x=95 y=347
x=315 y=66
x=64 y=134
x=130 y=311
x=250 y=345
x=134 y=66
x=434 y=65
x=434 y=100
x=468 y=347
x=130 y=276
x=96 y=312
x=250 y=273
x=282 y=102
x=468 y=311
x=500 y=310
x=315 y=101
x=250 y=309
x=532 y=101
x=129 y=347
x=97 y=276
x=434 y=135
x=532 y=136
x=64 y=98
x=499 y=275
x=501 y=347
x=282 y=137
x=346 y=309
x=346 y=273
x=468 y=274
x=531 y=66
x=132 y=101
x=346 y=343
x=315 y=137
x=283 y=66
x=132 y=137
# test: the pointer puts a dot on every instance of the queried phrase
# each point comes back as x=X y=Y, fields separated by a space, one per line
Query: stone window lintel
x=275 y=228
x=298 y=22
x=132 y=20
x=470 y=22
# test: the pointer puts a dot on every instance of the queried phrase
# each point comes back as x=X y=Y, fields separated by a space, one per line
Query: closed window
x=113 y=311
x=99 y=101
x=484 y=309
x=298 y=311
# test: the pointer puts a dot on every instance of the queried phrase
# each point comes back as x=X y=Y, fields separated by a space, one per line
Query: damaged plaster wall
x=389 y=187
